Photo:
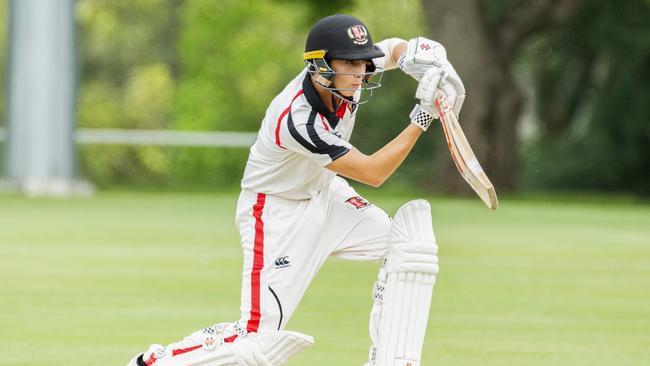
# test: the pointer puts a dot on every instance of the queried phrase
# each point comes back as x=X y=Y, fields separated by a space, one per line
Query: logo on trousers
x=282 y=262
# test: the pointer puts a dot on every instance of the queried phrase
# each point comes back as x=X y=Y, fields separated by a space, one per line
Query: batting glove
x=426 y=61
x=421 y=54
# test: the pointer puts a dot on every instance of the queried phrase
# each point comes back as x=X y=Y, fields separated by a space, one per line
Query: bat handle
x=442 y=102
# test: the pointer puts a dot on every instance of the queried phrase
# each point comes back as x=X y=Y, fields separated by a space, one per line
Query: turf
x=91 y=281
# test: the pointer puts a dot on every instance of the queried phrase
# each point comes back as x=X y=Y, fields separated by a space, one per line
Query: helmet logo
x=358 y=34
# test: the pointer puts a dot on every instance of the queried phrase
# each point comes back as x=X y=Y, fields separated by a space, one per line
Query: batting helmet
x=342 y=37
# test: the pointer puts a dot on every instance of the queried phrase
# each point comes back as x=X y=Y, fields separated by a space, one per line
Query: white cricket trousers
x=285 y=242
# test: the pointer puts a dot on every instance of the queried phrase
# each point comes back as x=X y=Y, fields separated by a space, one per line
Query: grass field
x=93 y=281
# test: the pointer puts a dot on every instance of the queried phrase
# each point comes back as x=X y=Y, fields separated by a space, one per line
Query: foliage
x=235 y=57
x=593 y=93
x=128 y=62
x=246 y=72
x=215 y=65
x=317 y=9
x=386 y=114
x=218 y=69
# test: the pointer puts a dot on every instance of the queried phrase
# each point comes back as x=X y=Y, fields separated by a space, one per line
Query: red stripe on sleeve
x=258 y=264
x=284 y=113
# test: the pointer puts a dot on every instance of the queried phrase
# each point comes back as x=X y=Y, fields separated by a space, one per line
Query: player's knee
x=412 y=241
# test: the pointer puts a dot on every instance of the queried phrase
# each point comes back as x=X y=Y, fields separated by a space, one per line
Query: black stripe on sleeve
x=334 y=151
x=297 y=136
x=319 y=146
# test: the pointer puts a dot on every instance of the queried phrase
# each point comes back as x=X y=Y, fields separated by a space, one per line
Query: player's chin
x=349 y=92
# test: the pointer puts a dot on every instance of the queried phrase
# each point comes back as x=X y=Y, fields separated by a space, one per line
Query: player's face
x=349 y=75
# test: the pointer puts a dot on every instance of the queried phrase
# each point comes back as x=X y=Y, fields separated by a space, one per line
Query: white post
x=40 y=156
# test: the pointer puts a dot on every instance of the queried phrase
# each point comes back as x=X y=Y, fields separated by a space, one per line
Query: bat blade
x=463 y=155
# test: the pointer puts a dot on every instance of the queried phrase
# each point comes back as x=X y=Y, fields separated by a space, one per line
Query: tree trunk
x=493 y=103
x=483 y=53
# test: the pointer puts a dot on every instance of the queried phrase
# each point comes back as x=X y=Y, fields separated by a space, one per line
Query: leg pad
x=402 y=295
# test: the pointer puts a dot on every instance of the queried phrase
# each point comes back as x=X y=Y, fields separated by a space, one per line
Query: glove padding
x=446 y=79
x=426 y=61
x=421 y=54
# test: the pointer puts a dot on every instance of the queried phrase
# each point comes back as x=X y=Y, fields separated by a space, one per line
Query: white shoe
x=208 y=338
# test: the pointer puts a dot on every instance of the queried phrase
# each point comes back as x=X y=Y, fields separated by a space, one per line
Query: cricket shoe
x=208 y=338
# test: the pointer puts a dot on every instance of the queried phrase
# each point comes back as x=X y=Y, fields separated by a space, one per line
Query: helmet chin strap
x=320 y=80
x=326 y=84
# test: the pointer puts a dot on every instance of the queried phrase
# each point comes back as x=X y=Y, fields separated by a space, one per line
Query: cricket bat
x=462 y=153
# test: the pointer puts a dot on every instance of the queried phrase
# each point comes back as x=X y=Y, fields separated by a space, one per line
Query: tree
x=482 y=39
x=128 y=65
x=592 y=96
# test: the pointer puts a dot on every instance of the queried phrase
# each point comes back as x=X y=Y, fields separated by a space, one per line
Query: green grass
x=92 y=281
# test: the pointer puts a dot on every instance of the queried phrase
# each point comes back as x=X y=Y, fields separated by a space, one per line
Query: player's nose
x=359 y=69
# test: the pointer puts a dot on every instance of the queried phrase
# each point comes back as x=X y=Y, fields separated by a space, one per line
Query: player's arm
x=375 y=169
x=429 y=66
x=393 y=48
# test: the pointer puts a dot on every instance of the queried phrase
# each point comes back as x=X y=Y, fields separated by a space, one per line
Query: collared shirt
x=299 y=136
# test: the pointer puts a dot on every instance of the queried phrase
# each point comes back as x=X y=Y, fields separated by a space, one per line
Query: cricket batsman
x=296 y=208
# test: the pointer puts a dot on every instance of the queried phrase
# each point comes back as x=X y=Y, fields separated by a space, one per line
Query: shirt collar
x=316 y=103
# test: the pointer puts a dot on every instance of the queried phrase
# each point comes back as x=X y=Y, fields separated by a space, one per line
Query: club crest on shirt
x=358 y=202
x=358 y=34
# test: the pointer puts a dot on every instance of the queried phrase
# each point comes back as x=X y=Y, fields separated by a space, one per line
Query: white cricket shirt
x=299 y=136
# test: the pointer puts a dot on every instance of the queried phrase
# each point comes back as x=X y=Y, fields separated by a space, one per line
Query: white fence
x=106 y=136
